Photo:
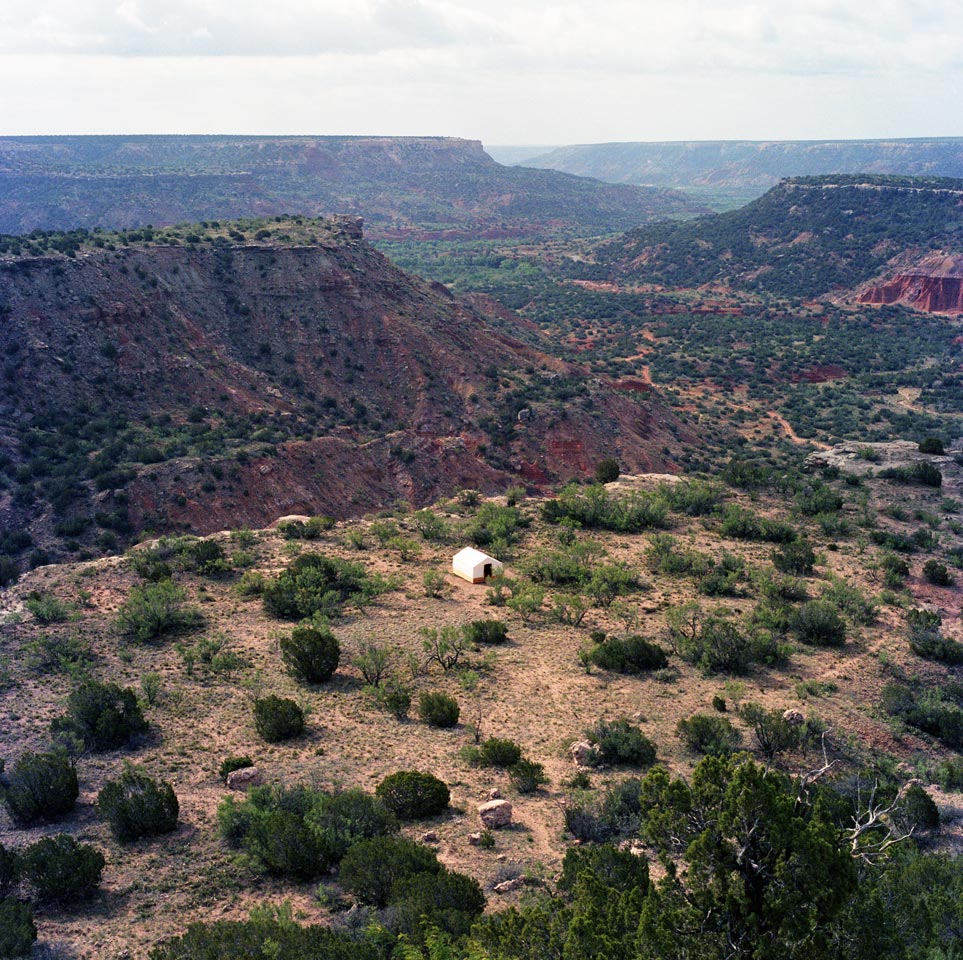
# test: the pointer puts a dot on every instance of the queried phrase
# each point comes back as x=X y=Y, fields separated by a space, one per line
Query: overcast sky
x=502 y=71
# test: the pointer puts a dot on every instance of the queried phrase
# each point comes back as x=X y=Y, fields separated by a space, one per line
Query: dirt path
x=787 y=427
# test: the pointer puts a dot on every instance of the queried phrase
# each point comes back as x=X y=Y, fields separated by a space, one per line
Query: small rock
x=495 y=814
x=581 y=752
x=429 y=837
x=244 y=778
x=794 y=717
x=494 y=794
x=507 y=886
x=474 y=839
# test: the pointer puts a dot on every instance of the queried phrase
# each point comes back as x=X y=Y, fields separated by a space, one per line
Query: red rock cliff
x=935 y=284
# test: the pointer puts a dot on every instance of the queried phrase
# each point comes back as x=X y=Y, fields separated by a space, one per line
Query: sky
x=500 y=71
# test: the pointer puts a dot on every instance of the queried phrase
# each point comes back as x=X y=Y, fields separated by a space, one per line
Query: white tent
x=474 y=566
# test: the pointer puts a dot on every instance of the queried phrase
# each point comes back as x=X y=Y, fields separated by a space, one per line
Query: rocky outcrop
x=866 y=459
x=935 y=285
x=244 y=778
x=495 y=814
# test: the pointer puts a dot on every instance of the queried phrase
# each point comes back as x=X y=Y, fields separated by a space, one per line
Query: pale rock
x=495 y=814
x=244 y=778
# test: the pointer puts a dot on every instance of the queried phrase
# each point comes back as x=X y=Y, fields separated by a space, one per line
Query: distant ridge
x=747 y=168
x=427 y=187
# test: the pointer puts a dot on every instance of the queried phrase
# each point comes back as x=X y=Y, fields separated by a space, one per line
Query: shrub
x=135 y=806
x=774 y=734
x=8 y=871
x=446 y=900
x=936 y=573
x=819 y=624
x=9 y=570
x=631 y=655
x=709 y=735
x=339 y=820
x=617 y=742
x=741 y=524
x=41 y=786
x=486 y=631
x=916 y=810
x=59 y=868
x=926 y=639
x=283 y=844
x=527 y=775
x=497 y=752
x=103 y=715
x=717 y=645
x=411 y=795
x=46 y=608
x=796 y=559
x=278 y=718
x=152 y=610
x=438 y=709
x=17 y=929
x=395 y=697
x=371 y=868
x=949 y=774
x=932 y=445
x=230 y=764
x=315 y=584
x=607 y=470
x=607 y=864
x=311 y=653
x=374 y=662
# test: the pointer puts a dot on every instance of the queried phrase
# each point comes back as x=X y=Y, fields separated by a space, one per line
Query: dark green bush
x=936 y=573
x=278 y=718
x=17 y=929
x=486 y=631
x=59 y=868
x=230 y=764
x=447 y=900
x=607 y=470
x=605 y=863
x=527 y=775
x=819 y=624
x=412 y=795
x=9 y=570
x=631 y=655
x=283 y=844
x=917 y=811
x=136 y=806
x=394 y=696
x=617 y=742
x=8 y=871
x=371 y=868
x=774 y=734
x=313 y=583
x=311 y=653
x=438 y=709
x=932 y=445
x=717 y=645
x=739 y=523
x=339 y=820
x=498 y=752
x=103 y=715
x=709 y=735
x=926 y=638
x=40 y=786
x=153 y=610
x=949 y=774
x=796 y=559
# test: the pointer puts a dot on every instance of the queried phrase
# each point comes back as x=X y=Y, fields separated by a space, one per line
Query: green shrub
x=17 y=929
x=617 y=742
x=631 y=655
x=438 y=709
x=309 y=529
x=926 y=638
x=103 y=715
x=819 y=624
x=315 y=584
x=9 y=570
x=411 y=795
x=446 y=900
x=615 y=868
x=339 y=820
x=774 y=734
x=278 y=718
x=527 y=775
x=936 y=573
x=205 y=557
x=59 y=868
x=607 y=470
x=153 y=610
x=949 y=774
x=46 y=608
x=796 y=559
x=710 y=735
x=739 y=523
x=486 y=631
x=817 y=499
x=717 y=645
x=283 y=844
x=497 y=752
x=916 y=810
x=932 y=445
x=311 y=653
x=137 y=806
x=40 y=786
x=8 y=872
x=395 y=697
x=230 y=764
x=371 y=868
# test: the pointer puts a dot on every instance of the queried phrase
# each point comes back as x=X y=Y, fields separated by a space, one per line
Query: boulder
x=581 y=752
x=495 y=814
x=494 y=794
x=429 y=837
x=507 y=886
x=244 y=779
x=794 y=717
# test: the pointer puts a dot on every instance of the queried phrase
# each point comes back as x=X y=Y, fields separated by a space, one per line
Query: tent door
x=488 y=570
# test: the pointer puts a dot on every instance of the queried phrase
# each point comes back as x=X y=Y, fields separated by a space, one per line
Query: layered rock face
x=935 y=285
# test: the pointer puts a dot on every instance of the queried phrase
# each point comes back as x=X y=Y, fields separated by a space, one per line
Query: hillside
x=743 y=169
x=807 y=237
x=200 y=379
x=751 y=599
x=402 y=186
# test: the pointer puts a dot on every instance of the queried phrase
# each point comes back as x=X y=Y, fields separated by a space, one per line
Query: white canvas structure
x=474 y=566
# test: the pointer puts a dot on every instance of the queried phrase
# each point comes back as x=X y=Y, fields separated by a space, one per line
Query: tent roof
x=473 y=556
